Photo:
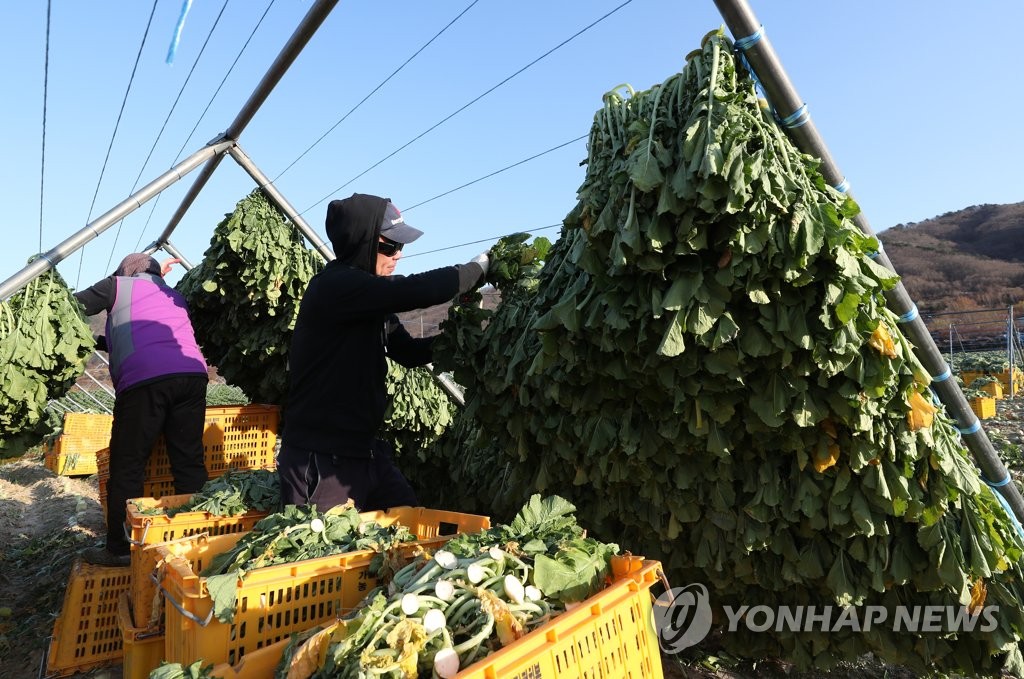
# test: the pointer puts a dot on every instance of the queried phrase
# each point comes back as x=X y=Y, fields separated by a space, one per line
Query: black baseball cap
x=394 y=226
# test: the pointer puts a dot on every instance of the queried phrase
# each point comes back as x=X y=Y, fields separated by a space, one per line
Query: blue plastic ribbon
x=797 y=118
x=973 y=429
x=1005 y=504
x=177 y=30
x=750 y=40
x=943 y=377
x=909 y=316
x=842 y=186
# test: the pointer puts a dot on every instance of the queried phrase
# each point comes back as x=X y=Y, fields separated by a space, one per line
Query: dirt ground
x=46 y=520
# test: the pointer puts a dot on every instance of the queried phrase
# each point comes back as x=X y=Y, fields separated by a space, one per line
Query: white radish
x=446 y=560
x=410 y=604
x=446 y=663
x=476 y=573
x=434 y=620
x=316 y=525
x=496 y=553
x=444 y=590
x=514 y=589
x=533 y=594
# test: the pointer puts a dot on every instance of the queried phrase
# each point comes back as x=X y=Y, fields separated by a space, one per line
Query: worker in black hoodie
x=346 y=327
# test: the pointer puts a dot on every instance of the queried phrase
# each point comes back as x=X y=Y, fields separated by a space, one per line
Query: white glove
x=483 y=260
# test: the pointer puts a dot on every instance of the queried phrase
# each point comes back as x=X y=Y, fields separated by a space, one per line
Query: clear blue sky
x=919 y=103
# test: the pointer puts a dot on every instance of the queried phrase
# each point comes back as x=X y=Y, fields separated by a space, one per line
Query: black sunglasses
x=388 y=247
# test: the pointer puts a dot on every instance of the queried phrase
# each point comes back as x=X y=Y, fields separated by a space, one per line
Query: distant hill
x=964 y=260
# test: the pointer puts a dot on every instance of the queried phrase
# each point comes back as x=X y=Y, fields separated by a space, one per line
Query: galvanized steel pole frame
x=65 y=248
x=281 y=202
x=791 y=109
x=310 y=23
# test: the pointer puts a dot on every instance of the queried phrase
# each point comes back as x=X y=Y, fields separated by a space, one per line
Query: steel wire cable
x=470 y=103
x=483 y=240
x=231 y=68
x=496 y=172
x=373 y=91
x=113 y=136
x=42 y=159
x=199 y=56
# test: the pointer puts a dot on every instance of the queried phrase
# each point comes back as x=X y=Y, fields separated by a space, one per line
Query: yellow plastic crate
x=143 y=649
x=1006 y=376
x=984 y=407
x=275 y=601
x=969 y=376
x=70 y=464
x=993 y=389
x=86 y=635
x=611 y=635
x=146 y=530
x=151 y=488
x=73 y=453
x=234 y=437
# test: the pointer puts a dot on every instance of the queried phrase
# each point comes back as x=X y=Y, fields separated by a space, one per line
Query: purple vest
x=149 y=334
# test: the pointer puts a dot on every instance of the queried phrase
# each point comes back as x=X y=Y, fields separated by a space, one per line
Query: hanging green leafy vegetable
x=244 y=296
x=708 y=371
x=45 y=341
x=419 y=412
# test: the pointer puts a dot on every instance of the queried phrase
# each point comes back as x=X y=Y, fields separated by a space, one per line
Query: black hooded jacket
x=345 y=328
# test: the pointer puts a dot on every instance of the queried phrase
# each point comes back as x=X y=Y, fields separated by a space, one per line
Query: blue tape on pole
x=797 y=118
x=750 y=40
x=943 y=377
x=973 y=429
x=998 y=484
x=177 y=31
x=909 y=316
x=1006 y=506
x=842 y=186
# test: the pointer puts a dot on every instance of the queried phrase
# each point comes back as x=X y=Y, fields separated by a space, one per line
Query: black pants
x=174 y=407
x=325 y=480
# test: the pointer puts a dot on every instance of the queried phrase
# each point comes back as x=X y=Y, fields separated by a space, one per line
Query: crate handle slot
x=190 y=616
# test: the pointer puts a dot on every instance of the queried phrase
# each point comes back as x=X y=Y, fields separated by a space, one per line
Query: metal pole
x=169 y=248
x=791 y=111
x=951 y=366
x=99 y=384
x=63 y=250
x=310 y=23
x=281 y=202
x=1011 y=338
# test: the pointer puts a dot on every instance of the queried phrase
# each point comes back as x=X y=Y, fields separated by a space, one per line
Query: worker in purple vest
x=159 y=377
